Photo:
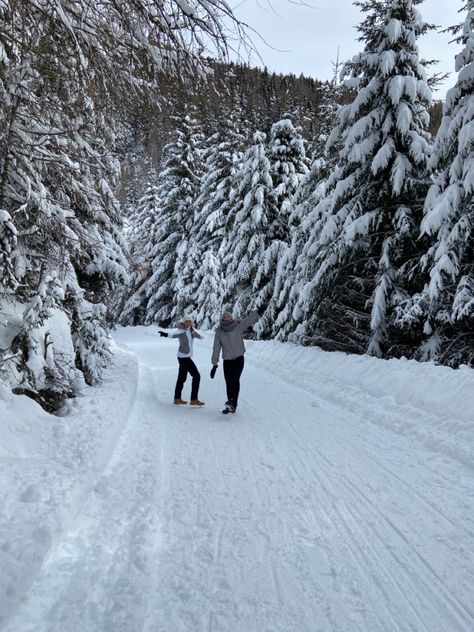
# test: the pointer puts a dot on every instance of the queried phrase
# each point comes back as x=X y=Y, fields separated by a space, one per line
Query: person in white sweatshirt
x=186 y=333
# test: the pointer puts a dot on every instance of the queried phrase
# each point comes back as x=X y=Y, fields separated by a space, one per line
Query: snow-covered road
x=318 y=507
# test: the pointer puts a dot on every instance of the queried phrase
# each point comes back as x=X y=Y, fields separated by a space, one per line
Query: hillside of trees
x=356 y=237
x=253 y=97
x=139 y=178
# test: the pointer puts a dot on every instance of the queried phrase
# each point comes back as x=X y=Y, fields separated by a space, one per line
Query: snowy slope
x=338 y=498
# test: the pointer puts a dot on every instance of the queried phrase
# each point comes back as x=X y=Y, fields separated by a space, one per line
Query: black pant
x=186 y=365
x=232 y=372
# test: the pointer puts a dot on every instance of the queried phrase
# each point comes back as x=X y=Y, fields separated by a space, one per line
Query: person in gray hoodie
x=229 y=339
x=185 y=333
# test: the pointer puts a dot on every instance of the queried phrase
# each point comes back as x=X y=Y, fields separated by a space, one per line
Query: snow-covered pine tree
x=375 y=196
x=331 y=96
x=305 y=217
x=141 y=236
x=162 y=239
x=222 y=160
x=56 y=181
x=210 y=292
x=8 y=243
x=244 y=245
x=99 y=255
x=292 y=268
x=288 y=164
x=188 y=255
x=444 y=308
x=160 y=252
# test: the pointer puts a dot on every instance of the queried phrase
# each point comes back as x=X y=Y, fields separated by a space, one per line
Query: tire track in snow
x=430 y=580
x=435 y=590
x=464 y=613
x=350 y=416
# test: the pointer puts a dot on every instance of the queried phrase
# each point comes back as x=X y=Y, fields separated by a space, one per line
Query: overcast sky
x=308 y=37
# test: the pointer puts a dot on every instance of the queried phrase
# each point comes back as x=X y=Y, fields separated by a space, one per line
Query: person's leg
x=228 y=376
x=193 y=370
x=232 y=372
x=182 y=375
x=238 y=368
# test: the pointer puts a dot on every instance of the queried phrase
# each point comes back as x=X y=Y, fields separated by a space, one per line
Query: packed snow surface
x=338 y=498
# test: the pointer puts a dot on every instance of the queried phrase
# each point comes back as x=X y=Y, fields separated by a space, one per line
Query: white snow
x=338 y=498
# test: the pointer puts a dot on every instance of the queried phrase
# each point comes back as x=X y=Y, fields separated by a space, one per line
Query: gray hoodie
x=229 y=338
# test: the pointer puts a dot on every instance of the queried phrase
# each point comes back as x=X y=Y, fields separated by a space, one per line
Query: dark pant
x=232 y=372
x=186 y=365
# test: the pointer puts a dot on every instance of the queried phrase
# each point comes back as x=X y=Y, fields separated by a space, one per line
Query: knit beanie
x=187 y=317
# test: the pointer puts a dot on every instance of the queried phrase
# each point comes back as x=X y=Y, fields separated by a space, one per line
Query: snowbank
x=51 y=354
x=48 y=466
x=437 y=401
x=438 y=390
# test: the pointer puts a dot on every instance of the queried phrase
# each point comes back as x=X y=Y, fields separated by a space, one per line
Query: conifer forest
x=144 y=174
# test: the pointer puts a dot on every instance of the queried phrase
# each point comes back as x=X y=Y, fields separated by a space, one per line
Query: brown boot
x=178 y=400
x=196 y=402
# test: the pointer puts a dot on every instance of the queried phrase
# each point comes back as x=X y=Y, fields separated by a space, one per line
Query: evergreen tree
x=141 y=237
x=287 y=157
x=375 y=195
x=8 y=243
x=222 y=161
x=444 y=308
x=188 y=255
x=210 y=292
x=162 y=232
x=245 y=243
x=55 y=185
x=293 y=267
x=162 y=241
x=288 y=163
x=212 y=206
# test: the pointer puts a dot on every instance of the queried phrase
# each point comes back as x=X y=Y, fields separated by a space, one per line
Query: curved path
x=296 y=514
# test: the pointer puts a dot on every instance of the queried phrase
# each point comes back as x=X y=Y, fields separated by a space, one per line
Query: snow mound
x=48 y=466
x=427 y=402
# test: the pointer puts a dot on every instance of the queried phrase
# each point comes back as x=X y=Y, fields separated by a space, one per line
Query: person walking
x=185 y=332
x=229 y=339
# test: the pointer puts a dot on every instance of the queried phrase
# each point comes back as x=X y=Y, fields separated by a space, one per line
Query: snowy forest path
x=296 y=513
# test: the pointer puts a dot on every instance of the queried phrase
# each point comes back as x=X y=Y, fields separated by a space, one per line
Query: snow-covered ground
x=339 y=497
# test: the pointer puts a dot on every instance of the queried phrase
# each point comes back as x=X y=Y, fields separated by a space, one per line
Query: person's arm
x=249 y=320
x=176 y=333
x=196 y=334
x=216 y=349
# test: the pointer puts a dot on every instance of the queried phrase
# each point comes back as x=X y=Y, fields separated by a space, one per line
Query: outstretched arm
x=249 y=320
x=176 y=333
